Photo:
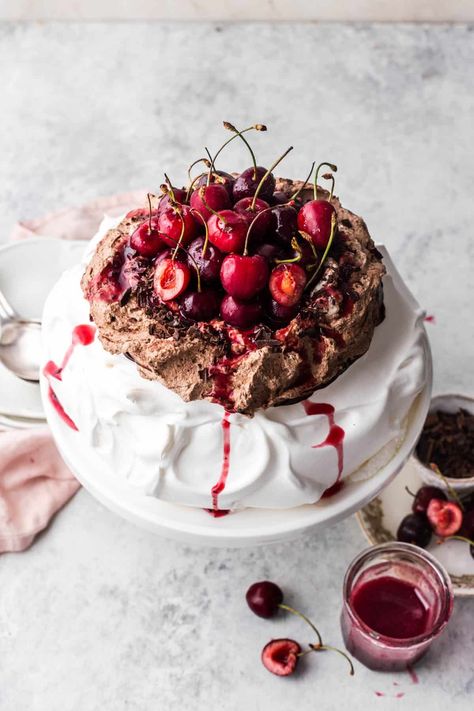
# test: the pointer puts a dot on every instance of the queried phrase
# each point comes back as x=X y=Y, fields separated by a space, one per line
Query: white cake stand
x=248 y=527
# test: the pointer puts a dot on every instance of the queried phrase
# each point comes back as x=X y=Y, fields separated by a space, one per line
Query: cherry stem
x=297 y=248
x=457 y=538
x=330 y=176
x=282 y=606
x=170 y=188
x=410 y=492
x=183 y=227
x=329 y=165
x=265 y=176
x=303 y=185
x=148 y=195
x=326 y=251
x=323 y=647
x=247 y=236
x=199 y=160
x=453 y=493
x=230 y=127
x=206 y=239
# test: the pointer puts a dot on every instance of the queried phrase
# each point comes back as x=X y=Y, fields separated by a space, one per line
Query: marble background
x=99 y=615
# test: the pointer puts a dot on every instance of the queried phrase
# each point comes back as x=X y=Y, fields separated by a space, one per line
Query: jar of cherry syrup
x=397 y=600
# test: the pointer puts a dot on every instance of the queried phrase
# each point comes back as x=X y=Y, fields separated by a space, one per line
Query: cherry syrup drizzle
x=219 y=486
x=335 y=436
x=81 y=336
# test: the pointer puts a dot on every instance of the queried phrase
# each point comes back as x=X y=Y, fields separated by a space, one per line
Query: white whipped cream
x=171 y=449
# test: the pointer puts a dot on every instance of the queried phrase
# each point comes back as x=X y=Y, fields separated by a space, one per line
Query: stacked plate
x=28 y=270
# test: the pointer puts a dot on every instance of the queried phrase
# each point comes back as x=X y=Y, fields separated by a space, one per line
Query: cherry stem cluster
x=315 y=186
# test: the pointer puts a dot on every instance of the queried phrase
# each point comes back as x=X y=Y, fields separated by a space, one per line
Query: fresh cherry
x=200 y=305
x=247 y=182
x=209 y=264
x=415 y=529
x=287 y=282
x=170 y=225
x=213 y=196
x=218 y=177
x=264 y=598
x=279 y=197
x=261 y=225
x=240 y=314
x=269 y=251
x=166 y=201
x=171 y=278
x=280 y=656
x=243 y=276
x=314 y=218
x=467 y=528
x=284 y=223
x=145 y=241
x=445 y=517
x=227 y=231
x=424 y=495
x=279 y=315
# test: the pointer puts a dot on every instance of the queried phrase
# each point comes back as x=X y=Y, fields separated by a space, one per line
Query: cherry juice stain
x=335 y=436
x=413 y=675
x=219 y=486
x=429 y=319
x=82 y=335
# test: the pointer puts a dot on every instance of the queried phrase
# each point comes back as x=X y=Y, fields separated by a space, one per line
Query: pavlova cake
x=239 y=350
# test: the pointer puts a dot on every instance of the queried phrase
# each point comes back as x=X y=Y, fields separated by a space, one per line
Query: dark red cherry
x=305 y=253
x=170 y=223
x=264 y=598
x=214 y=195
x=279 y=197
x=280 y=656
x=171 y=278
x=244 y=276
x=287 y=282
x=247 y=183
x=424 y=495
x=200 y=305
x=227 y=231
x=279 y=315
x=241 y=314
x=467 y=528
x=284 y=223
x=210 y=264
x=269 y=251
x=415 y=529
x=146 y=242
x=314 y=218
x=219 y=177
x=262 y=224
x=166 y=200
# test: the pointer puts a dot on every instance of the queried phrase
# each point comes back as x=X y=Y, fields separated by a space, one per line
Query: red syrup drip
x=430 y=319
x=335 y=436
x=219 y=487
x=413 y=675
x=81 y=336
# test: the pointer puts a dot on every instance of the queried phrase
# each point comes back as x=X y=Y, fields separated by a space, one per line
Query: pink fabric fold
x=34 y=484
x=34 y=481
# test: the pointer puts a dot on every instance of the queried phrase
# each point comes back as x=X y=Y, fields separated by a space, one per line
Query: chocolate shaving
x=447 y=440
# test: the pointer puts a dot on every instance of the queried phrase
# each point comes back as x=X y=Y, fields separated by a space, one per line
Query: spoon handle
x=6 y=310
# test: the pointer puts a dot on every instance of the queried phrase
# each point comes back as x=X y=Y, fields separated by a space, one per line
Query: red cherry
x=200 y=305
x=244 y=276
x=241 y=314
x=146 y=242
x=209 y=264
x=280 y=656
x=314 y=218
x=227 y=231
x=165 y=201
x=170 y=224
x=279 y=315
x=171 y=278
x=264 y=598
x=248 y=181
x=262 y=224
x=445 y=517
x=287 y=282
x=423 y=497
x=214 y=195
x=221 y=178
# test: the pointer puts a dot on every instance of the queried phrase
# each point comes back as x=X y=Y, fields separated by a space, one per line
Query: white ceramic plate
x=248 y=527
x=381 y=517
x=28 y=271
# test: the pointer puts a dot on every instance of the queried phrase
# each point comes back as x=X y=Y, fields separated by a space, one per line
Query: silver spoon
x=20 y=343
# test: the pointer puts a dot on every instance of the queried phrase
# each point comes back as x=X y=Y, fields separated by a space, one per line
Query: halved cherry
x=170 y=225
x=145 y=241
x=171 y=278
x=445 y=517
x=287 y=282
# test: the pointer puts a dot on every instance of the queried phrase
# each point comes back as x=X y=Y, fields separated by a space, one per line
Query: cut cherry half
x=171 y=278
x=445 y=517
x=287 y=282
x=280 y=656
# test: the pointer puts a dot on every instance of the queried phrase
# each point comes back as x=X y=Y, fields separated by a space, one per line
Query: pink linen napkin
x=34 y=481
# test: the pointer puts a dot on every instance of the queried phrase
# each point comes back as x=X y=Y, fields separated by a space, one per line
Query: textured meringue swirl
x=173 y=450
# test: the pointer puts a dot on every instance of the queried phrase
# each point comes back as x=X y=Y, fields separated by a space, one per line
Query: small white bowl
x=446 y=403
